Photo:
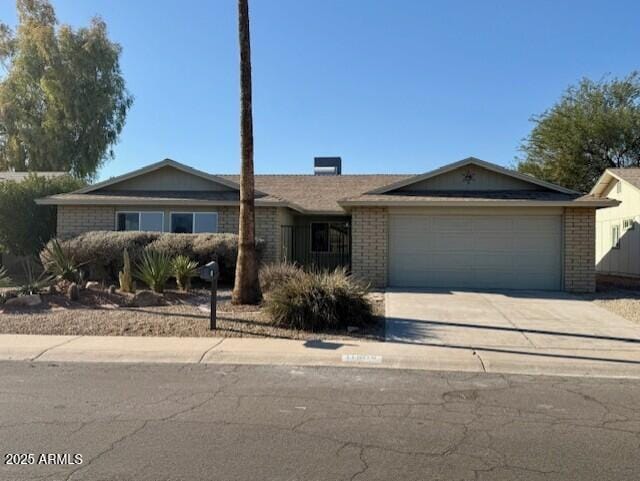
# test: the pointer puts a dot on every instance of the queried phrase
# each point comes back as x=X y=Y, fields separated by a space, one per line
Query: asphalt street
x=218 y=422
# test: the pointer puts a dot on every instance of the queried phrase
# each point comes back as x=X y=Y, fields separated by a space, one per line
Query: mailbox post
x=211 y=272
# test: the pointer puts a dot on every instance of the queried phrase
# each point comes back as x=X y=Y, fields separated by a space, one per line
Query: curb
x=329 y=353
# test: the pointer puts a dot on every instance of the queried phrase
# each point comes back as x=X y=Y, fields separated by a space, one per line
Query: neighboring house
x=11 y=262
x=20 y=176
x=618 y=228
x=470 y=224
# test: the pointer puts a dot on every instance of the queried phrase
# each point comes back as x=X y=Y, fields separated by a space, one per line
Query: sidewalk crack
x=54 y=347
x=209 y=350
x=475 y=353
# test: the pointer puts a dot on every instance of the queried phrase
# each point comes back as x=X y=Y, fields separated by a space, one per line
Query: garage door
x=475 y=251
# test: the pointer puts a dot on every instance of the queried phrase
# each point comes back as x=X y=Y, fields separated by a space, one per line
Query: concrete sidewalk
x=618 y=363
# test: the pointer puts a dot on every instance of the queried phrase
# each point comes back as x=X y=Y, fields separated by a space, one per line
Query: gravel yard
x=98 y=313
x=620 y=296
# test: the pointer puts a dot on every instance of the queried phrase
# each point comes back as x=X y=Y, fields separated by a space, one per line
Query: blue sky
x=391 y=86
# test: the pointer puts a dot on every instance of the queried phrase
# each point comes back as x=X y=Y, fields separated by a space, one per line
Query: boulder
x=73 y=292
x=32 y=300
x=146 y=299
x=92 y=285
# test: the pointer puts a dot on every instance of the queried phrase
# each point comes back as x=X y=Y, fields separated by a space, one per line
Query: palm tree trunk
x=246 y=289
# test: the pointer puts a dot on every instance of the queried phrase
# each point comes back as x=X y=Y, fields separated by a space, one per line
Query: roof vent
x=327 y=166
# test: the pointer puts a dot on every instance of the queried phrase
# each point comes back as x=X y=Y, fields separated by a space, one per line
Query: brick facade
x=369 y=244
x=74 y=220
x=370 y=237
x=579 y=250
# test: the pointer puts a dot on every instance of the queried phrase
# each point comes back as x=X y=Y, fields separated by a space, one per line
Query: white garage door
x=475 y=251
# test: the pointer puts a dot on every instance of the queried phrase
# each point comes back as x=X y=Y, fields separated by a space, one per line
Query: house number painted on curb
x=362 y=358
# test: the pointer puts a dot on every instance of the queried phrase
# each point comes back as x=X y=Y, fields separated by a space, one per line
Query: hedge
x=101 y=251
x=26 y=227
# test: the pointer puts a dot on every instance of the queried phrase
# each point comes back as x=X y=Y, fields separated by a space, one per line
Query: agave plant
x=183 y=270
x=154 y=269
x=5 y=280
x=34 y=283
x=59 y=263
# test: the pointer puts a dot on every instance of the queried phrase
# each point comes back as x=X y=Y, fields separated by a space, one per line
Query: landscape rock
x=92 y=285
x=32 y=300
x=112 y=289
x=73 y=293
x=146 y=299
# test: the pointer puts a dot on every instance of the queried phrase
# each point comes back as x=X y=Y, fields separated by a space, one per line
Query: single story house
x=617 y=228
x=469 y=224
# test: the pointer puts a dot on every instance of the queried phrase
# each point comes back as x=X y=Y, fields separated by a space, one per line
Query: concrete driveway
x=508 y=320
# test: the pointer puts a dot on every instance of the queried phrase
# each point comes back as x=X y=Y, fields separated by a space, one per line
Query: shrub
x=103 y=250
x=5 y=280
x=204 y=248
x=154 y=269
x=183 y=270
x=127 y=284
x=319 y=301
x=273 y=275
x=25 y=234
x=60 y=263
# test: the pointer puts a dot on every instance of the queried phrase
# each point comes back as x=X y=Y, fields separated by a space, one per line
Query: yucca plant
x=127 y=284
x=154 y=269
x=59 y=264
x=183 y=270
x=5 y=280
x=34 y=283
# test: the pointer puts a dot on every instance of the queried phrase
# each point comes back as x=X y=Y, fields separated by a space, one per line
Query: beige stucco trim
x=163 y=202
x=477 y=203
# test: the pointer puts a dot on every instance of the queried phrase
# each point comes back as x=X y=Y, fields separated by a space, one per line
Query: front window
x=615 y=236
x=194 y=222
x=140 y=221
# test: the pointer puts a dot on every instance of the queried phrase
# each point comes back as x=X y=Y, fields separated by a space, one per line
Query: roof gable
x=161 y=176
x=609 y=177
x=470 y=174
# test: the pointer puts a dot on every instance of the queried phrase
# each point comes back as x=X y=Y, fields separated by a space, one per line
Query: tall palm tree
x=246 y=289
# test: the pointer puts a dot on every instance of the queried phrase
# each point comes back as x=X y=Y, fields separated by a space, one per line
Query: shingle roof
x=319 y=193
x=631 y=175
x=19 y=176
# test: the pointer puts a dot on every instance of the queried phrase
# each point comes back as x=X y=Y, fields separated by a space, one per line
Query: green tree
x=594 y=126
x=26 y=227
x=246 y=289
x=63 y=100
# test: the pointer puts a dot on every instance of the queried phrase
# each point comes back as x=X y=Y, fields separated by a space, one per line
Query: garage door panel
x=481 y=251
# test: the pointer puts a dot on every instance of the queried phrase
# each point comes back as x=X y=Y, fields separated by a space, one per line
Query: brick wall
x=579 y=250
x=268 y=228
x=74 y=220
x=369 y=244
